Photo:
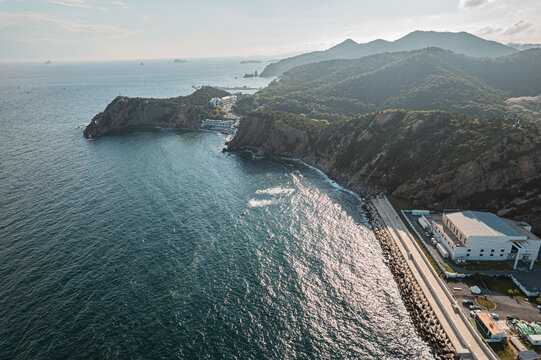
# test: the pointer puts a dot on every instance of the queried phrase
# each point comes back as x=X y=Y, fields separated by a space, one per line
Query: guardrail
x=475 y=335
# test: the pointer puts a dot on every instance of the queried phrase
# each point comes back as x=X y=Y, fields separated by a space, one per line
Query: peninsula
x=126 y=114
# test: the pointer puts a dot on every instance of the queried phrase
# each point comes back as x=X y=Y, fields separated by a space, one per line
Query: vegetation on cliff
x=428 y=79
x=433 y=158
x=127 y=114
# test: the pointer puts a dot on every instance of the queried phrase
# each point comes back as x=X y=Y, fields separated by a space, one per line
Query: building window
x=469 y=250
x=482 y=250
x=501 y=254
x=467 y=254
x=480 y=254
x=492 y=250
x=503 y=250
x=491 y=254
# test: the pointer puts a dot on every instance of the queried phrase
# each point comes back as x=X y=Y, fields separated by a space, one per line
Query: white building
x=224 y=101
x=223 y=125
x=491 y=328
x=478 y=235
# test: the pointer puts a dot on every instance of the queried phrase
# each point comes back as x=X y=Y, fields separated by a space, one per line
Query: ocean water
x=155 y=245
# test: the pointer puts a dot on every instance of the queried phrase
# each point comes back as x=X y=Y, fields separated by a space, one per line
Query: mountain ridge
x=461 y=43
x=426 y=79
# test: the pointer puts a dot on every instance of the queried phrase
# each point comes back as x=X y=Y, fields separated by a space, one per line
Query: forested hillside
x=428 y=79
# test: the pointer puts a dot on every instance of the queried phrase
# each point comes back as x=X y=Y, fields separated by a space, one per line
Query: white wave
x=259 y=203
x=275 y=191
x=327 y=179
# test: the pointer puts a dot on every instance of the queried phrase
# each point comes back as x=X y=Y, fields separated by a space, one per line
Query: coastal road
x=456 y=325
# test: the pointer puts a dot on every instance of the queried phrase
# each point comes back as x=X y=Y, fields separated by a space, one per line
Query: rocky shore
x=371 y=156
x=126 y=114
x=422 y=315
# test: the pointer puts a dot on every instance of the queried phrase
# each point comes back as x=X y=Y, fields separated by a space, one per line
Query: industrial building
x=479 y=235
x=491 y=328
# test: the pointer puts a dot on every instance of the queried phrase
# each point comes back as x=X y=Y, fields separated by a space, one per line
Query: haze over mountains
x=460 y=43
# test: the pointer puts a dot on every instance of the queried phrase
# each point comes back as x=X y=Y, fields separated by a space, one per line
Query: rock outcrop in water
x=126 y=114
x=434 y=159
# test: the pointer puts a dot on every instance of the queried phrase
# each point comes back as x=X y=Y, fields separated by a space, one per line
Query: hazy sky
x=104 y=29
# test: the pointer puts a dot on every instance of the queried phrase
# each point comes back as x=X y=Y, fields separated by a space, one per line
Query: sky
x=67 y=30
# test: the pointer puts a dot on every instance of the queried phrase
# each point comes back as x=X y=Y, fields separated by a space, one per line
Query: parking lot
x=505 y=305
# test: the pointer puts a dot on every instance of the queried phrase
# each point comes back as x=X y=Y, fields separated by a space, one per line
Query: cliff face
x=505 y=179
x=127 y=114
x=419 y=156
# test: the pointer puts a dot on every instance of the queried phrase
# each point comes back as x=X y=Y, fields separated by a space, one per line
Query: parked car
x=539 y=307
x=473 y=312
x=467 y=302
x=495 y=316
x=512 y=317
x=475 y=307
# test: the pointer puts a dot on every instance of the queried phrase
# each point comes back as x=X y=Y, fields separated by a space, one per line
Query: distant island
x=179 y=61
x=48 y=62
x=254 y=74
x=250 y=62
x=141 y=63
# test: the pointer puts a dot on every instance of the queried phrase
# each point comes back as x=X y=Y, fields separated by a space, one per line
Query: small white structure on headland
x=224 y=125
x=224 y=101
x=479 y=235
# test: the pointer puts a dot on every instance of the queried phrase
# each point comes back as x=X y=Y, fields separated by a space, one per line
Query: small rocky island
x=126 y=114
x=254 y=74
x=179 y=61
x=250 y=62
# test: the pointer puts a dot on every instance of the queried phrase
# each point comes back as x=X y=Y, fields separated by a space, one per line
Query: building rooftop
x=518 y=227
x=480 y=223
x=490 y=324
x=527 y=355
x=436 y=218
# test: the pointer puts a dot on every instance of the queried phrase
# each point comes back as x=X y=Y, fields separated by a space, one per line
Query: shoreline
x=422 y=315
x=463 y=336
x=419 y=298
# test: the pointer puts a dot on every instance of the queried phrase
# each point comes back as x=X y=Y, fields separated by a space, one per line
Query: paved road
x=455 y=324
x=505 y=305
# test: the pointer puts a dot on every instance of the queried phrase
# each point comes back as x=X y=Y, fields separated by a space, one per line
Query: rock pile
x=421 y=312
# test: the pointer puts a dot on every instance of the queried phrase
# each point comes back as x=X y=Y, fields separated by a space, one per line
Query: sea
x=156 y=245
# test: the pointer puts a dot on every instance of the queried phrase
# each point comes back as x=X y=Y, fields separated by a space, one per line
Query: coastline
x=422 y=314
x=418 y=297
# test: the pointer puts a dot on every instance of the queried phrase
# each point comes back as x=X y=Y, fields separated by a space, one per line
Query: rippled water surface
x=157 y=245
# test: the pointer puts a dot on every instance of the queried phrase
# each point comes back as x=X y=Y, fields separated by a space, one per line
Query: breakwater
x=422 y=314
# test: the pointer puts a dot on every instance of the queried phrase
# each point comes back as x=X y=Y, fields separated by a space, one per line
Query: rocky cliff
x=125 y=114
x=433 y=159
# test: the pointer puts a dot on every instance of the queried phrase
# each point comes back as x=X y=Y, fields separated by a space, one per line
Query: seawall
x=422 y=314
